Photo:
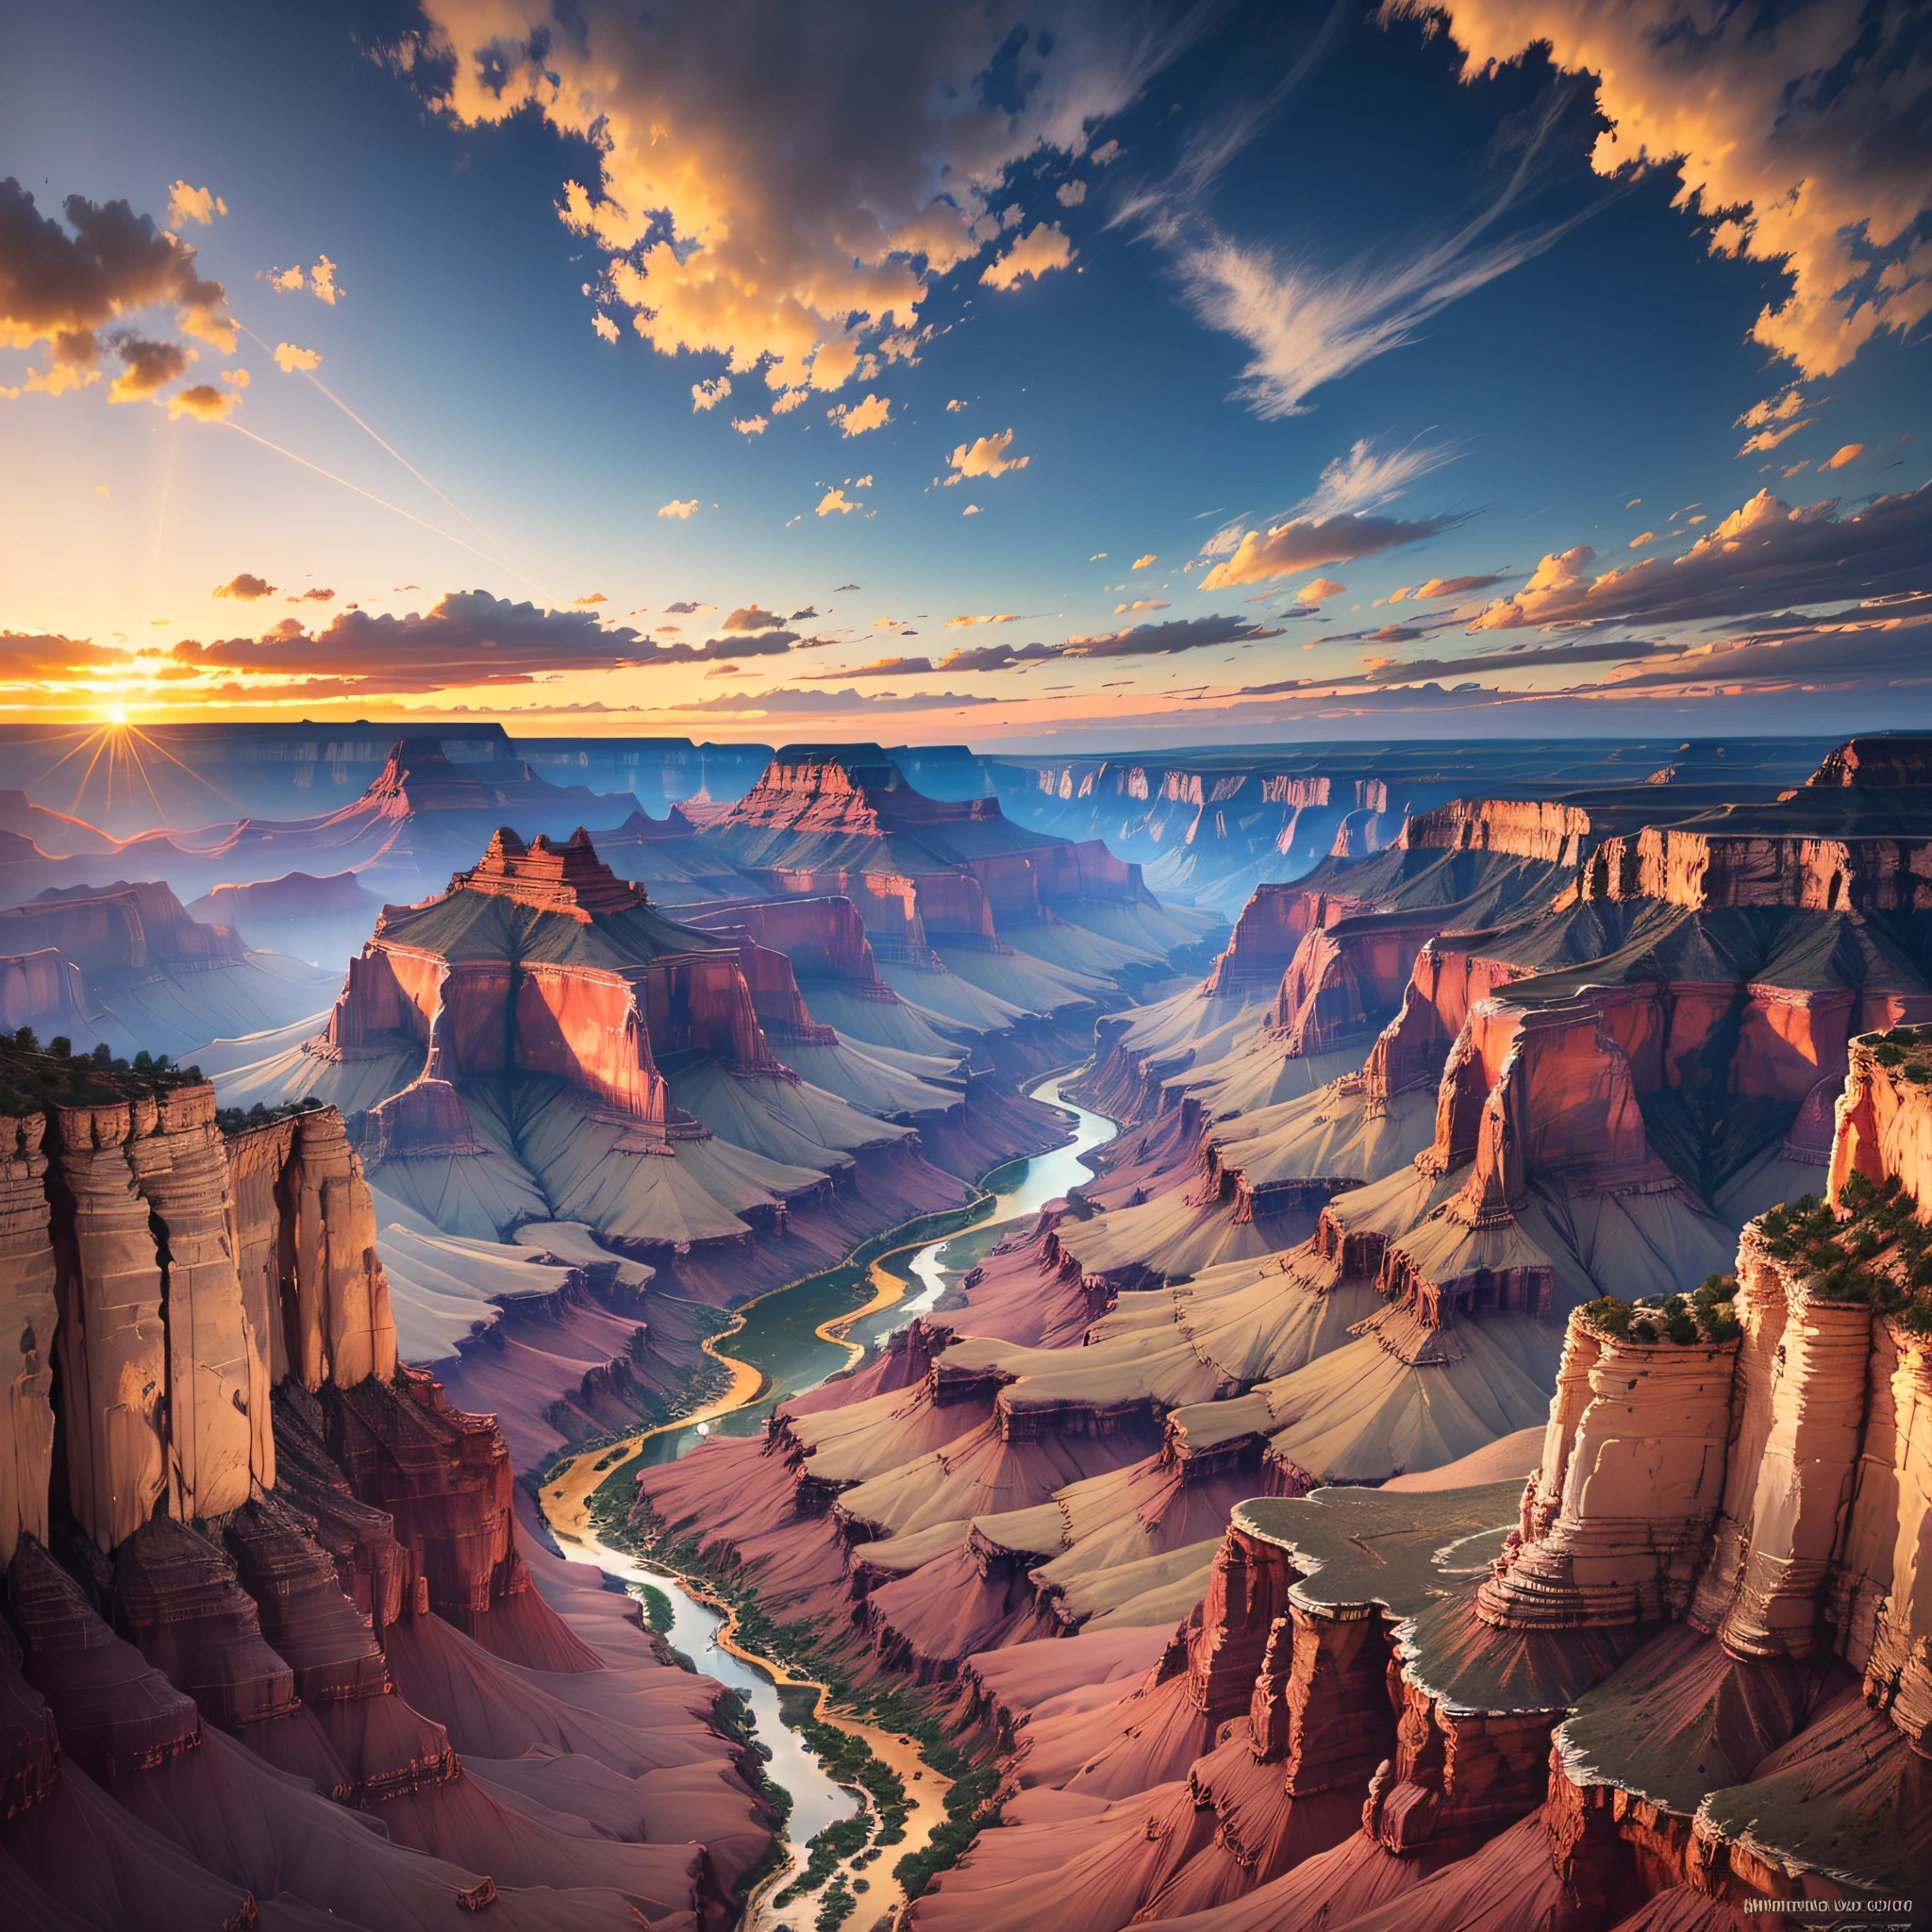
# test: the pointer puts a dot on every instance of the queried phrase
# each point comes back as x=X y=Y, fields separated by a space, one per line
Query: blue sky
x=1319 y=284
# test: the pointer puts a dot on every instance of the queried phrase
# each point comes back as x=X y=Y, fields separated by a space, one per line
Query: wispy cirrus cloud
x=1306 y=325
x=1334 y=523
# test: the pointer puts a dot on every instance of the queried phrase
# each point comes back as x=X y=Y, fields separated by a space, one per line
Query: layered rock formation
x=1308 y=1262
x=1673 y=1680
x=1210 y=826
x=126 y=964
x=203 y=774
x=263 y=1587
x=541 y=1045
x=952 y=891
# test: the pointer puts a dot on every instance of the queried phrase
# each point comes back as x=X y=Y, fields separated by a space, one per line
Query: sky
x=1095 y=369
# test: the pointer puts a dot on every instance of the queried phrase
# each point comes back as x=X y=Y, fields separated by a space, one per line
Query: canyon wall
x=1678 y=1675
x=107 y=930
x=263 y=1586
x=1211 y=824
x=178 y=1274
x=1821 y=873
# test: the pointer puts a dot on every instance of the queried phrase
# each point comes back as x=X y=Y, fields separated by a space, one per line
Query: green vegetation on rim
x=34 y=1077
x=1871 y=1251
x=1705 y=1318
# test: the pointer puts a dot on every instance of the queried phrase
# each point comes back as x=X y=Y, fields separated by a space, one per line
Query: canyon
x=1433 y=1116
x=1451 y=1462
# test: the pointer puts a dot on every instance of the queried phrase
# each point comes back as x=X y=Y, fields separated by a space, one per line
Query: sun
x=117 y=714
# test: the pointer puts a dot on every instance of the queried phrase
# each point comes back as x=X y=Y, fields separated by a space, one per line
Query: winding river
x=786 y=1342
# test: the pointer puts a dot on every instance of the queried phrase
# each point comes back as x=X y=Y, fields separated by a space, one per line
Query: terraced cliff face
x=1325 y=1254
x=541 y=1045
x=175 y=1276
x=828 y=818
x=264 y=1587
x=1677 y=1675
x=1852 y=838
x=540 y=969
x=107 y=930
x=125 y=963
x=1212 y=824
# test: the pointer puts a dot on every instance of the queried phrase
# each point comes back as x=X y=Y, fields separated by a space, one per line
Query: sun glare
x=117 y=714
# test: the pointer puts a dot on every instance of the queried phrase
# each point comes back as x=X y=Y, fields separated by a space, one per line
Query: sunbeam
x=377 y=437
x=228 y=423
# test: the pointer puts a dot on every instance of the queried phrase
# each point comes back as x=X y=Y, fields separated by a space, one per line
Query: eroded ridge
x=1680 y=1666
x=265 y=1587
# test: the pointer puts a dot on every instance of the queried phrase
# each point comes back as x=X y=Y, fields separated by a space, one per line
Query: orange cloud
x=320 y=281
x=204 y=402
x=767 y=213
x=289 y=358
x=1043 y=249
x=58 y=289
x=1308 y=543
x=186 y=203
x=150 y=366
x=985 y=457
x=1840 y=459
x=1455 y=587
x=1320 y=588
x=1741 y=110
x=873 y=413
x=1765 y=556
x=469 y=638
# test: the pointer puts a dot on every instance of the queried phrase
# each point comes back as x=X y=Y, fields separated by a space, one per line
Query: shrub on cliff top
x=236 y=1119
x=1704 y=1317
x=1872 y=1250
x=34 y=1079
